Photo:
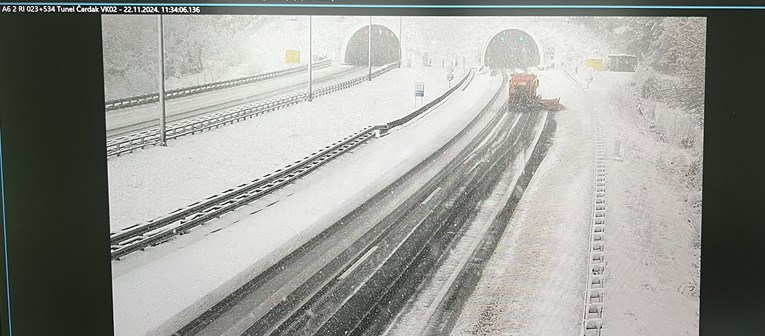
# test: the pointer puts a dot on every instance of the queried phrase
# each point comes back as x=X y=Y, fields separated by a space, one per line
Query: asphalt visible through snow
x=534 y=282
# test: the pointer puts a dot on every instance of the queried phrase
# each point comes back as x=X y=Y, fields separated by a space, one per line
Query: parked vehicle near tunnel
x=523 y=96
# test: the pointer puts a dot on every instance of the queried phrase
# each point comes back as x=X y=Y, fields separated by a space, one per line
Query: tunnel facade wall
x=386 y=46
x=519 y=49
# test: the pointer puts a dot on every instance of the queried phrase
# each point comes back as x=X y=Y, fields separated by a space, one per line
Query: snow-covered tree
x=685 y=41
x=193 y=44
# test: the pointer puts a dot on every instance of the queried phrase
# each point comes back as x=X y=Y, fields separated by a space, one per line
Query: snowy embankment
x=158 y=180
x=158 y=291
x=651 y=236
x=534 y=282
x=653 y=221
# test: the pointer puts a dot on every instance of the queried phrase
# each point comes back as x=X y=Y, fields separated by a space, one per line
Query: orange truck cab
x=523 y=94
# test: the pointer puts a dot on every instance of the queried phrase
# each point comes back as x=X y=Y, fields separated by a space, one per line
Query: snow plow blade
x=552 y=104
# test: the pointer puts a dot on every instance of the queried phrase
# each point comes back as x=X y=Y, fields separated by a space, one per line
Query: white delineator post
x=162 y=131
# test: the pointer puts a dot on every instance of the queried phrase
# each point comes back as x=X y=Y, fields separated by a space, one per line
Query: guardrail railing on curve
x=434 y=102
x=140 y=236
x=132 y=142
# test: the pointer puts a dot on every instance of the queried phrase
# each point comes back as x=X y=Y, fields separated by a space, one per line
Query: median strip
x=116 y=104
x=138 y=237
x=140 y=140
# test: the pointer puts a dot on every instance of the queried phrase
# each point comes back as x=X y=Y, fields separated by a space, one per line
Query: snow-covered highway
x=171 y=305
x=133 y=119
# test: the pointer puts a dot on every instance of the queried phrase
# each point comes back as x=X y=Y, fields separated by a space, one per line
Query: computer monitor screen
x=333 y=168
x=300 y=176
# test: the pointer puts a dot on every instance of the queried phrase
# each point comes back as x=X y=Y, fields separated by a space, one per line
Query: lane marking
x=357 y=263
x=494 y=132
x=431 y=196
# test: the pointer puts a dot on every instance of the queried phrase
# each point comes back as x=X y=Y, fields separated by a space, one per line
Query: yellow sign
x=293 y=56
x=595 y=63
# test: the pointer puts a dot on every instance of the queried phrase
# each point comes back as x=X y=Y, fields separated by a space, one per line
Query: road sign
x=419 y=89
x=292 y=56
x=450 y=76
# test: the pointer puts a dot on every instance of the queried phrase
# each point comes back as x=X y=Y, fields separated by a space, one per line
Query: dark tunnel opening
x=385 y=47
x=511 y=48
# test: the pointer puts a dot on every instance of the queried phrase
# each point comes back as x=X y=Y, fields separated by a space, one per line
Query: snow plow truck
x=523 y=95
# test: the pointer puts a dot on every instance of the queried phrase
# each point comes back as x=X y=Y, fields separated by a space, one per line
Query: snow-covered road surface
x=534 y=282
x=132 y=119
x=157 y=292
x=155 y=181
x=423 y=314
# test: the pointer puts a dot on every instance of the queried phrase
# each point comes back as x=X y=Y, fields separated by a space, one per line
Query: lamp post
x=162 y=132
x=369 y=37
x=400 y=40
x=310 y=58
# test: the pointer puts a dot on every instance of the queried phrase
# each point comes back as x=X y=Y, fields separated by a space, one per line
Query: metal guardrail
x=129 y=143
x=179 y=221
x=594 y=293
x=419 y=111
x=192 y=90
x=156 y=231
x=592 y=323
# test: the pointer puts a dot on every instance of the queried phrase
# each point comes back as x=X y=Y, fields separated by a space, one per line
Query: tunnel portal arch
x=386 y=47
x=512 y=48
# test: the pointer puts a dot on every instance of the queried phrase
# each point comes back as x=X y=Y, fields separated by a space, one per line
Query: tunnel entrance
x=511 y=48
x=385 y=47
